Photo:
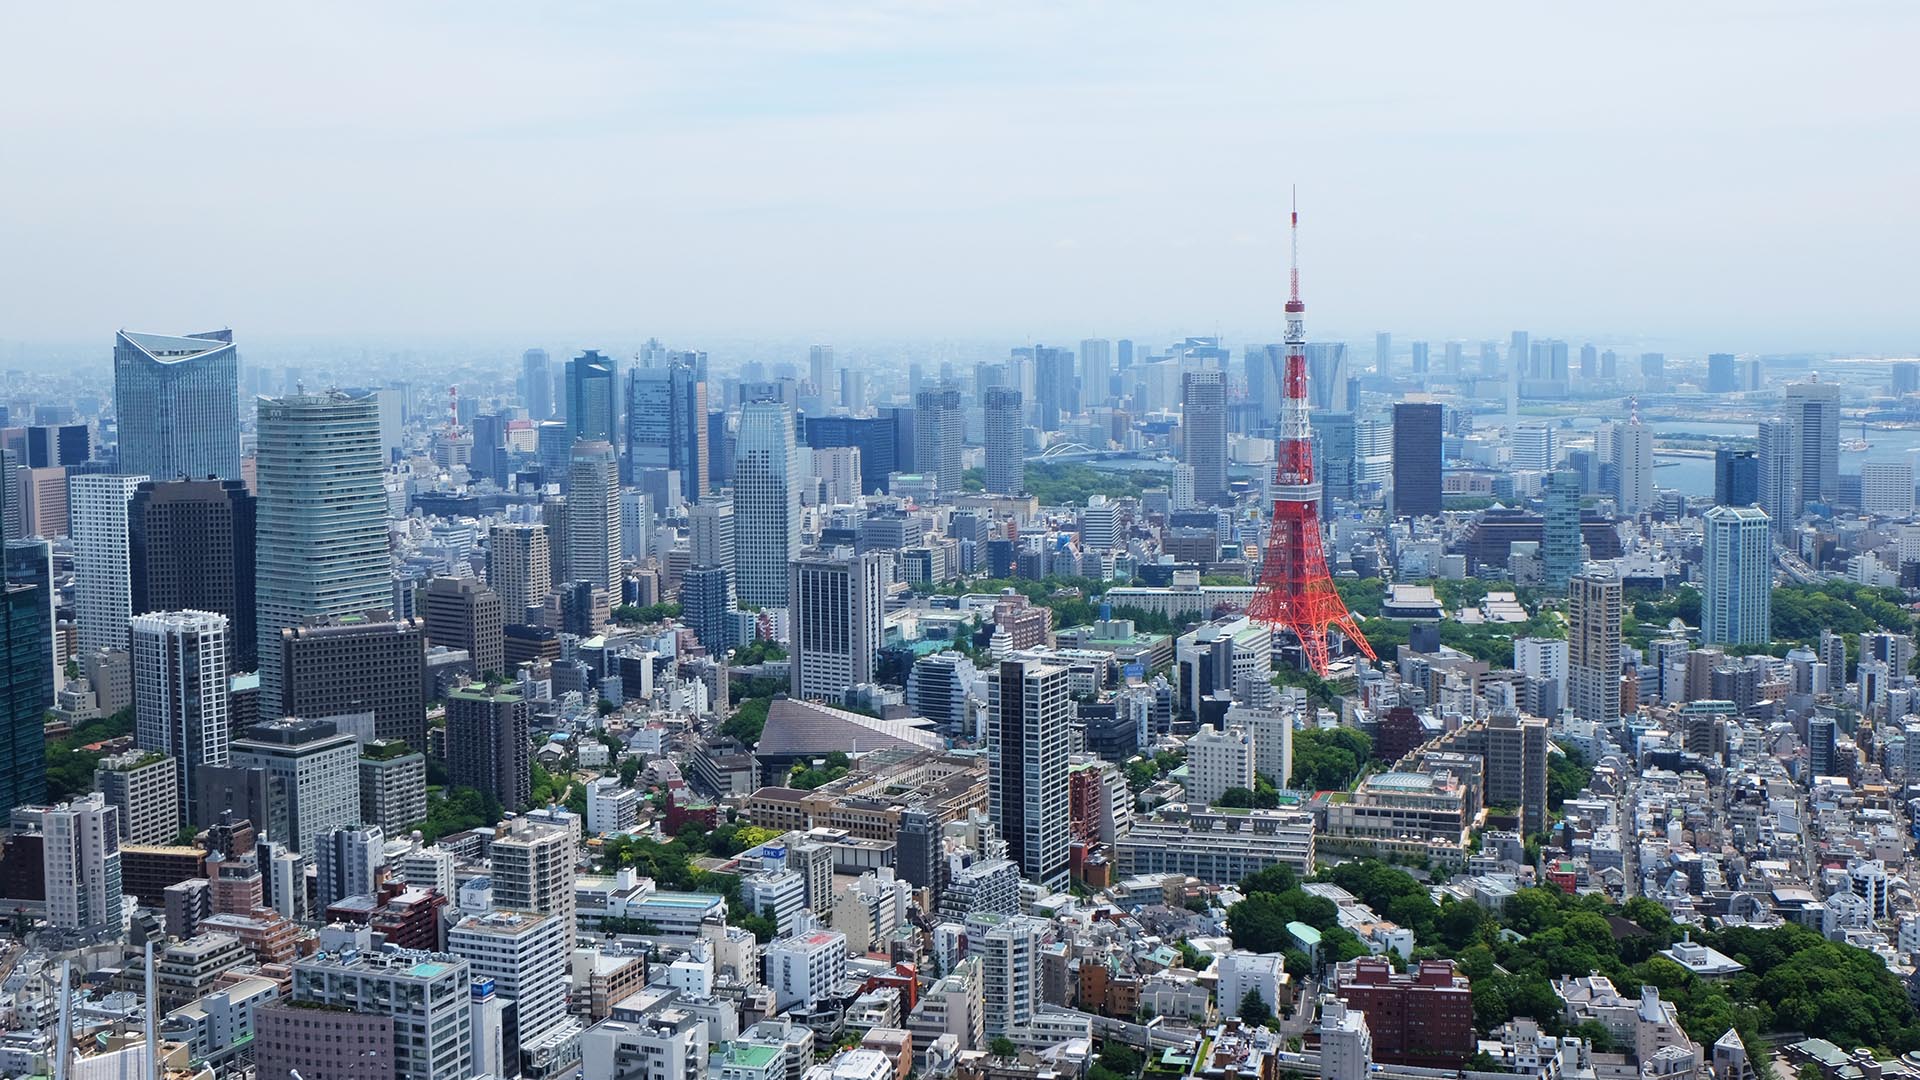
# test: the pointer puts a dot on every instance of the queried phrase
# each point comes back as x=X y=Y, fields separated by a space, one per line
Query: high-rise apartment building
x=177 y=400
x=393 y=786
x=1011 y=957
x=519 y=568
x=488 y=743
x=141 y=785
x=1203 y=434
x=1029 y=722
x=1778 y=451
x=1738 y=562
x=525 y=954
x=182 y=704
x=1633 y=465
x=80 y=856
x=461 y=613
x=1006 y=441
x=1593 y=646
x=707 y=606
x=102 y=573
x=350 y=666
x=766 y=498
x=1056 y=392
x=347 y=859
x=533 y=868
x=939 y=429
x=837 y=609
x=321 y=546
x=593 y=516
x=592 y=400
x=1383 y=353
x=190 y=547
x=1417 y=490
x=1216 y=761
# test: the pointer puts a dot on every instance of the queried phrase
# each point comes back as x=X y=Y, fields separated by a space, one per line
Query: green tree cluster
x=458 y=810
x=69 y=767
x=749 y=719
x=758 y=651
x=1567 y=773
x=1800 y=612
x=808 y=777
x=1328 y=759
x=630 y=615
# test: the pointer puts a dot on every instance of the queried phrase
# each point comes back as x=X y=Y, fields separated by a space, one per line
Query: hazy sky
x=1742 y=175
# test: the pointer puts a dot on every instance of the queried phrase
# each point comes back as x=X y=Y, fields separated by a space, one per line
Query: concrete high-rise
x=519 y=567
x=525 y=956
x=426 y=995
x=1417 y=490
x=533 y=868
x=461 y=613
x=1778 y=450
x=321 y=544
x=177 y=401
x=488 y=743
x=1055 y=391
x=1006 y=441
x=592 y=400
x=80 y=858
x=939 y=429
x=351 y=667
x=1535 y=447
x=182 y=700
x=1096 y=371
x=347 y=859
x=1737 y=608
x=1633 y=465
x=766 y=497
x=820 y=370
x=1814 y=409
x=190 y=545
x=102 y=571
x=536 y=385
x=593 y=516
x=1203 y=434
x=711 y=533
x=1383 y=353
x=836 y=604
x=1593 y=646
x=1029 y=718
x=316 y=766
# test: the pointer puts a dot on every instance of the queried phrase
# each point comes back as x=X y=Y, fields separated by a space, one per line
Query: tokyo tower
x=1295 y=592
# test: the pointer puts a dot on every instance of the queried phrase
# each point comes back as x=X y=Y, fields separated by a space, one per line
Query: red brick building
x=1423 y=1017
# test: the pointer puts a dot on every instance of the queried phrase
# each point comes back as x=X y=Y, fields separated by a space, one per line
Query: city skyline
x=1675 y=191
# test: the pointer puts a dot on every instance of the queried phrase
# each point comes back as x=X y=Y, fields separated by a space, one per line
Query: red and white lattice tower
x=1295 y=592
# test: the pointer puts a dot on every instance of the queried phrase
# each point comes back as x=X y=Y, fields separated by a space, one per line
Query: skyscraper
x=1029 y=717
x=820 y=370
x=593 y=516
x=181 y=700
x=766 y=504
x=592 y=401
x=667 y=448
x=1738 y=562
x=1096 y=371
x=1006 y=442
x=80 y=856
x=102 y=573
x=178 y=404
x=1383 y=353
x=1420 y=357
x=488 y=743
x=1535 y=447
x=707 y=606
x=316 y=766
x=26 y=679
x=321 y=544
x=1633 y=465
x=461 y=613
x=1560 y=536
x=519 y=567
x=1593 y=646
x=190 y=544
x=536 y=385
x=1417 y=488
x=1778 y=450
x=836 y=606
x=1334 y=446
x=939 y=428
x=1721 y=378
x=1814 y=408
x=1203 y=434
x=1736 y=478
x=1056 y=392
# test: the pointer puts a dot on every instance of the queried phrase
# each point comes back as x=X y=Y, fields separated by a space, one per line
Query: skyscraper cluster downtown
x=849 y=712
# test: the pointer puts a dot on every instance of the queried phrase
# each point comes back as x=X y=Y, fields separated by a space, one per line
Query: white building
x=669 y=1044
x=525 y=954
x=1272 y=733
x=1633 y=465
x=1218 y=760
x=1346 y=1046
x=593 y=545
x=1009 y=950
x=610 y=807
x=1535 y=447
x=1097 y=530
x=1244 y=972
x=81 y=861
x=1737 y=607
x=142 y=785
x=1886 y=488
x=776 y=895
x=806 y=970
x=533 y=867
x=102 y=570
x=317 y=765
x=181 y=695
x=838 y=467
x=348 y=861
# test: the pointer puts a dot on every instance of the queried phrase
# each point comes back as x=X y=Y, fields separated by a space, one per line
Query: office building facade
x=1006 y=441
x=1029 y=726
x=766 y=500
x=190 y=545
x=102 y=570
x=461 y=613
x=352 y=667
x=837 y=608
x=939 y=430
x=182 y=703
x=1417 y=490
x=177 y=403
x=317 y=767
x=1203 y=434
x=488 y=743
